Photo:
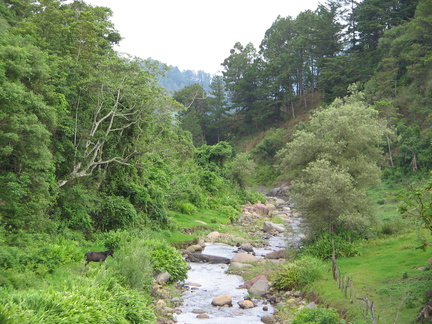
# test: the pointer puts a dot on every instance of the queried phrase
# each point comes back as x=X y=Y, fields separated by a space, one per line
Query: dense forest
x=96 y=152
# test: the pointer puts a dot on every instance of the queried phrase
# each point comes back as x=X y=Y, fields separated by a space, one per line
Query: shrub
x=229 y=211
x=317 y=316
x=115 y=213
x=113 y=240
x=186 y=208
x=322 y=247
x=132 y=264
x=166 y=258
x=298 y=274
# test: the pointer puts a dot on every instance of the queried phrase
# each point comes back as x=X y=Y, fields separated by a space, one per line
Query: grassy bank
x=391 y=269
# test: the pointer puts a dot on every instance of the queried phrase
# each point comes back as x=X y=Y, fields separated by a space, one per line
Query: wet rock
x=279 y=254
x=246 y=304
x=198 y=311
x=259 y=288
x=203 y=316
x=205 y=258
x=192 y=284
x=243 y=257
x=162 y=278
x=222 y=300
x=194 y=248
x=269 y=227
x=268 y=319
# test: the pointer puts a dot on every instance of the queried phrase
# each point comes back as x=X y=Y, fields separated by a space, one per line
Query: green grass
x=386 y=271
x=203 y=217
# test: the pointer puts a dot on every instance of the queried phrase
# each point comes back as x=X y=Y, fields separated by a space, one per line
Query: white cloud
x=195 y=34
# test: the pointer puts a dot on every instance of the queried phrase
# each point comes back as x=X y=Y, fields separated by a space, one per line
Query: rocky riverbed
x=215 y=292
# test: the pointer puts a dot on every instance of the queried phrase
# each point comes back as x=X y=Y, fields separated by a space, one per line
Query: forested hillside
x=174 y=80
x=96 y=154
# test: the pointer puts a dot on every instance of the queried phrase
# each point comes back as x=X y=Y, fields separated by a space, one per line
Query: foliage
x=115 y=213
x=322 y=247
x=333 y=161
x=417 y=202
x=242 y=169
x=214 y=157
x=79 y=300
x=133 y=266
x=298 y=274
x=29 y=257
x=167 y=258
x=317 y=316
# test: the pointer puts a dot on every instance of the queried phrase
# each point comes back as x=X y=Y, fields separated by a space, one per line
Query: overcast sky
x=195 y=34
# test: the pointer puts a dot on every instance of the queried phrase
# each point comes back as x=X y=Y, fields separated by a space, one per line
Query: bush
x=166 y=258
x=115 y=213
x=317 y=316
x=230 y=212
x=322 y=247
x=186 y=208
x=132 y=264
x=298 y=274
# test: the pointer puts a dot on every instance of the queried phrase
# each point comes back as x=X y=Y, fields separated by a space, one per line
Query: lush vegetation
x=95 y=154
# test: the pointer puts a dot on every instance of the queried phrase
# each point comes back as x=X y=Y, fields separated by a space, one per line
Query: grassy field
x=391 y=270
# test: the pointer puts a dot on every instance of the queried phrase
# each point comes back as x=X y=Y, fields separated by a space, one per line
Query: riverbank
x=255 y=247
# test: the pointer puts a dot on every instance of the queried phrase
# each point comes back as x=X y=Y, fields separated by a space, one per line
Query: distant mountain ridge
x=175 y=80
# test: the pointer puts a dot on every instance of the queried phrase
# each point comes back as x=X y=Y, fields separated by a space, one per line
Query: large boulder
x=260 y=287
x=162 y=278
x=222 y=300
x=244 y=258
x=206 y=258
x=249 y=283
x=246 y=304
x=278 y=254
x=213 y=236
x=247 y=247
x=258 y=208
x=268 y=319
x=239 y=266
x=269 y=227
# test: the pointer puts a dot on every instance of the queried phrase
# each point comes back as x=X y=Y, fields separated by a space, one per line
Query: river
x=206 y=281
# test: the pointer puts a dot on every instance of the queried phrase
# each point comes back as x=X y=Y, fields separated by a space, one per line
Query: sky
x=195 y=34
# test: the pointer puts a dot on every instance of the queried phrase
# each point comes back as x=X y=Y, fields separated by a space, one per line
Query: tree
x=121 y=105
x=333 y=161
x=247 y=88
x=218 y=103
x=29 y=115
x=196 y=114
x=417 y=202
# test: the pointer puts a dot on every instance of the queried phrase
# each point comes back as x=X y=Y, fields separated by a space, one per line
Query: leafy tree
x=28 y=116
x=333 y=161
x=122 y=104
x=417 y=202
x=195 y=117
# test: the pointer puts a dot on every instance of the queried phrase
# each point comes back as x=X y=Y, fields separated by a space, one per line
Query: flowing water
x=206 y=281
